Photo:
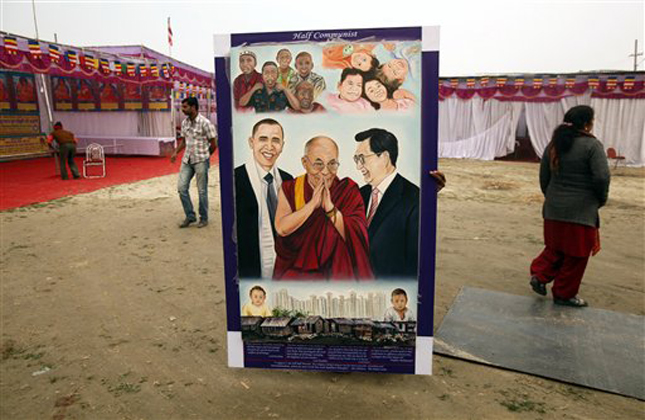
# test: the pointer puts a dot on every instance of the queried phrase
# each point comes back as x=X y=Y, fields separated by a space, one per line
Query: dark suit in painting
x=394 y=230
x=246 y=212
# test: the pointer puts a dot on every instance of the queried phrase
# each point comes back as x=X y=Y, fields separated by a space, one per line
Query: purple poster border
x=428 y=205
x=429 y=160
x=225 y=146
x=376 y=34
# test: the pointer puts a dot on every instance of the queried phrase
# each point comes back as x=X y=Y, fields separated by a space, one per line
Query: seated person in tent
x=321 y=230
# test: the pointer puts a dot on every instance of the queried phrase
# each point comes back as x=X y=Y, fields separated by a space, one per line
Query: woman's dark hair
x=369 y=78
x=349 y=71
x=564 y=135
x=374 y=65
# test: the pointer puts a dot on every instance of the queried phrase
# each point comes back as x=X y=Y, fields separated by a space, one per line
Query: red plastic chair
x=612 y=154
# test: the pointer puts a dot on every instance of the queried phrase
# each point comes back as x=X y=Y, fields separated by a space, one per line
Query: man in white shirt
x=199 y=138
x=257 y=183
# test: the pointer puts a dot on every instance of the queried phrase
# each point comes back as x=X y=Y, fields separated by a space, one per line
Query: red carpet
x=30 y=181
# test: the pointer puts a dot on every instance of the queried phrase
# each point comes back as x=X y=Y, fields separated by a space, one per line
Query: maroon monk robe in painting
x=316 y=251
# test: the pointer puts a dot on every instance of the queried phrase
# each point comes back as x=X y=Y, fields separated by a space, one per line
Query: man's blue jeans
x=188 y=170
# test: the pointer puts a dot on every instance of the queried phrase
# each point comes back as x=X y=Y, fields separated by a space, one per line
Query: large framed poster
x=109 y=96
x=19 y=119
x=5 y=99
x=326 y=142
x=158 y=96
x=63 y=93
x=86 y=96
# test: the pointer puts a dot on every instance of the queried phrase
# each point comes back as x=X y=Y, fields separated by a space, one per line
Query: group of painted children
x=379 y=84
x=399 y=311
x=278 y=86
x=364 y=83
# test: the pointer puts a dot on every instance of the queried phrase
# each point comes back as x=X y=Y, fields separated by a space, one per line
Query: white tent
x=479 y=118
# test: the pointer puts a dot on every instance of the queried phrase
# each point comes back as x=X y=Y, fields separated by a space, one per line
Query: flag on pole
x=11 y=44
x=54 y=53
x=34 y=48
x=90 y=61
x=169 y=33
x=154 y=70
x=143 y=70
x=594 y=82
x=71 y=57
x=105 y=66
x=131 y=70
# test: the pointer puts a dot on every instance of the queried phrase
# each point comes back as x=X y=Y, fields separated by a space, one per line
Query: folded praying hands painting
x=321 y=195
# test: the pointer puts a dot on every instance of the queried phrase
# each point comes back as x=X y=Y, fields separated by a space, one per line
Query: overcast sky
x=479 y=37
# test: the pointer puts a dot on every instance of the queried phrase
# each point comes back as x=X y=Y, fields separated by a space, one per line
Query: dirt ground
x=110 y=311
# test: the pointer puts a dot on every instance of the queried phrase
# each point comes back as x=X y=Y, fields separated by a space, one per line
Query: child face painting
x=375 y=91
x=257 y=297
x=304 y=64
x=284 y=59
x=247 y=64
x=399 y=302
x=351 y=88
x=396 y=69
x=361 y=61
x=270 y=76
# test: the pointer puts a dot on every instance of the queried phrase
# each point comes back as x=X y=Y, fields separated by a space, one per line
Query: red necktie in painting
x=373 y=206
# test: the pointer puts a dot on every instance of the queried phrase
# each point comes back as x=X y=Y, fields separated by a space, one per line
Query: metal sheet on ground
x=591 y=347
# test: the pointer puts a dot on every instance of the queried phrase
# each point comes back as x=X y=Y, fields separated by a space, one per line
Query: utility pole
x=635 y=55
x=43 y=89
x=42 y=76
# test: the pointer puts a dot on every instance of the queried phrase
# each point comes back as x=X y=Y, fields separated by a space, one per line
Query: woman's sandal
x=575 y=301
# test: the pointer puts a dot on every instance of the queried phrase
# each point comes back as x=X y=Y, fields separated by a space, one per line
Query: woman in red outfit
x=574 y=177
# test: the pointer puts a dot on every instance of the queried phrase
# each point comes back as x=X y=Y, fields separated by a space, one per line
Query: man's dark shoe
x=202 y=223
x=186 y=223
x=538 y=286
x=575 y=301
